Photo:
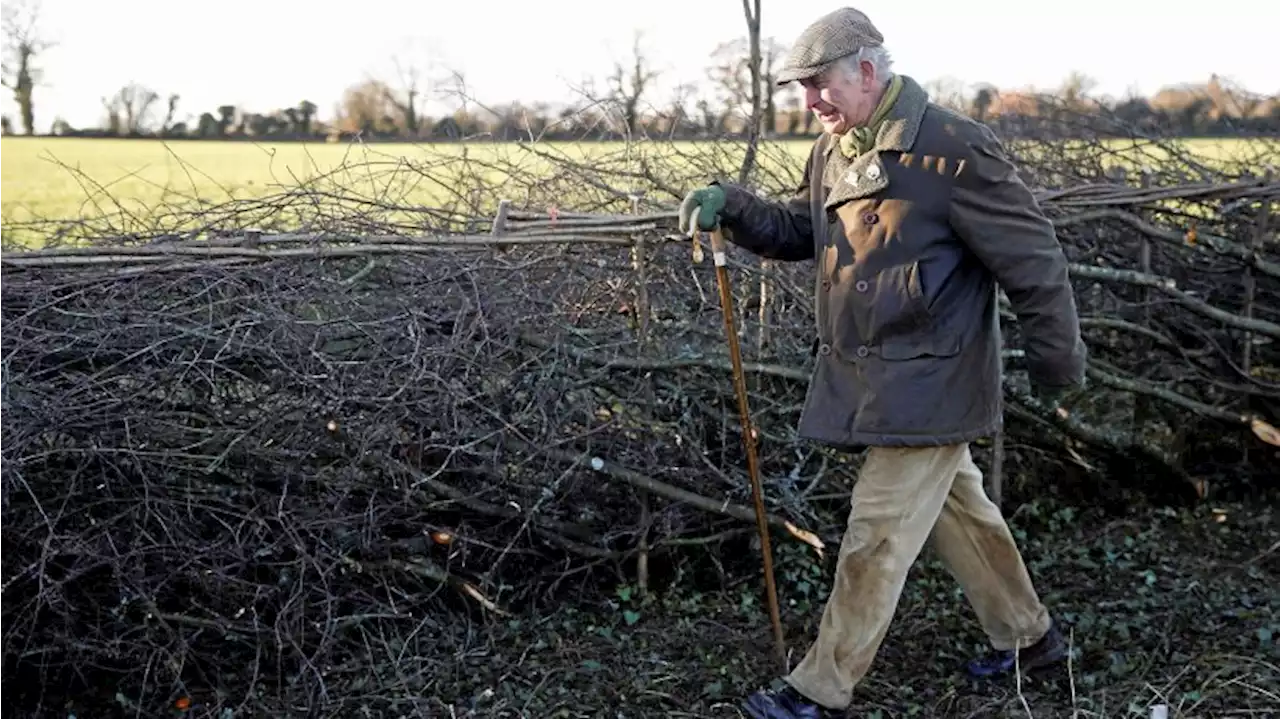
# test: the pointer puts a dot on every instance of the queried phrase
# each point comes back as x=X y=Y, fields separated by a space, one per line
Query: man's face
x=840 y=99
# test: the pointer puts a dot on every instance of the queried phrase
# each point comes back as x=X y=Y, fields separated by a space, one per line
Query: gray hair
x=877 y=55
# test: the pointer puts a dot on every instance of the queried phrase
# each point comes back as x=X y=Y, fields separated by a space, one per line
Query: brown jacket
x=910 y=241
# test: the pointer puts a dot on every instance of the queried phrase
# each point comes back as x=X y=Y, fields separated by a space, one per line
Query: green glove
x=707 y=202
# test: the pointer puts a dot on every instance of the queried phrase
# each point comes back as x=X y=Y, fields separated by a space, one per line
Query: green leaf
x=630 y=617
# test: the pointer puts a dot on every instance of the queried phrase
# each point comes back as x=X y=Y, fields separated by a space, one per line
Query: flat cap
x=831 y=37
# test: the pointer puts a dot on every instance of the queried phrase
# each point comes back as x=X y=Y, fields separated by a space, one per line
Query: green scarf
x=858 y=140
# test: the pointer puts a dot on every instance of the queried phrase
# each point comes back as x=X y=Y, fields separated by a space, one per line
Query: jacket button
x=824 y=348
x=860 y=285
x=862 y=351
x=870 y=218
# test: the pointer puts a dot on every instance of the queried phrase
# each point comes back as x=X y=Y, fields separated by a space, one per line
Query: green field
x=69 y=178
x=65 y=178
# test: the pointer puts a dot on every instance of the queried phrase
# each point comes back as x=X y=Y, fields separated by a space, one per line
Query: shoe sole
x=755 y=711
x=1026 y=669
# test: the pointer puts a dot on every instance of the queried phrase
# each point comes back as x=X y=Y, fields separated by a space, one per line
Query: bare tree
x=730 y=73
x=23 y=45
x=751 y=9
x=627 y=86
x=711 y=121
x=129 y=108
x=465 y=120
x=169 y=112
x=455 y=86
x=678 y=115
x=1075 y=90
x=415 y=81
x=405 y=100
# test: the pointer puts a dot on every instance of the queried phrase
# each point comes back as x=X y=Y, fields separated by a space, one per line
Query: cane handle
x=697 y=246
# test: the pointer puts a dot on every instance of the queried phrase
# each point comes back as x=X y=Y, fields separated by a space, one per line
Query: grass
x=65 y=178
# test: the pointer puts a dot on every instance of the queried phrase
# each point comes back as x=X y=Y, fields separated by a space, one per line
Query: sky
x=267 y=54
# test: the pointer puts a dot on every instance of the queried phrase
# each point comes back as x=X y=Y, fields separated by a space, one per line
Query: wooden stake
x=1256 y=241
x=639 y=263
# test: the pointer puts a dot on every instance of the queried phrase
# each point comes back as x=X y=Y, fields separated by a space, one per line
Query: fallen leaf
x=1265 y=432
x=805 y=536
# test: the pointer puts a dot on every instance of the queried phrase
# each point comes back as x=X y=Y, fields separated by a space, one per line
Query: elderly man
x=913 y=214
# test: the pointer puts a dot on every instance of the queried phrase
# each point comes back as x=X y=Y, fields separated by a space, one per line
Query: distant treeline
x=371 y=113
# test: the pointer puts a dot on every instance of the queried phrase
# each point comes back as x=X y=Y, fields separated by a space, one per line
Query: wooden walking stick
x=748 y=432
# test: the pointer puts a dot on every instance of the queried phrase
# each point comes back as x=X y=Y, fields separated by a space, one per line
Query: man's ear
x=868 y=73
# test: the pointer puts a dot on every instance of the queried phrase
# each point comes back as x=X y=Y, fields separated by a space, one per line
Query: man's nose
x=812 y=96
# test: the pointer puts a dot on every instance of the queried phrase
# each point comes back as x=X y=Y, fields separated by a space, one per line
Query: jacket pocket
x=881 y=309
x=901 y=349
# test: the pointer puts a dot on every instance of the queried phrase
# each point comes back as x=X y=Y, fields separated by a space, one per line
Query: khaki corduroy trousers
x=904 y=497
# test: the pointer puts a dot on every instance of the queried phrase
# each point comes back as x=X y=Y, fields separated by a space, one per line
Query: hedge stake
x=748 y=433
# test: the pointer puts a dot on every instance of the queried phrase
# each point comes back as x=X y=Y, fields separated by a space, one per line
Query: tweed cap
x=831 y=37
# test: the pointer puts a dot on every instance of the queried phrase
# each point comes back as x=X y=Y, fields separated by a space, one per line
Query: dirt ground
x=1180 y=608
x=1162 y=606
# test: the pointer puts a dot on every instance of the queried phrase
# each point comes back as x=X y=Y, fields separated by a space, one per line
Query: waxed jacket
x=910 y=240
